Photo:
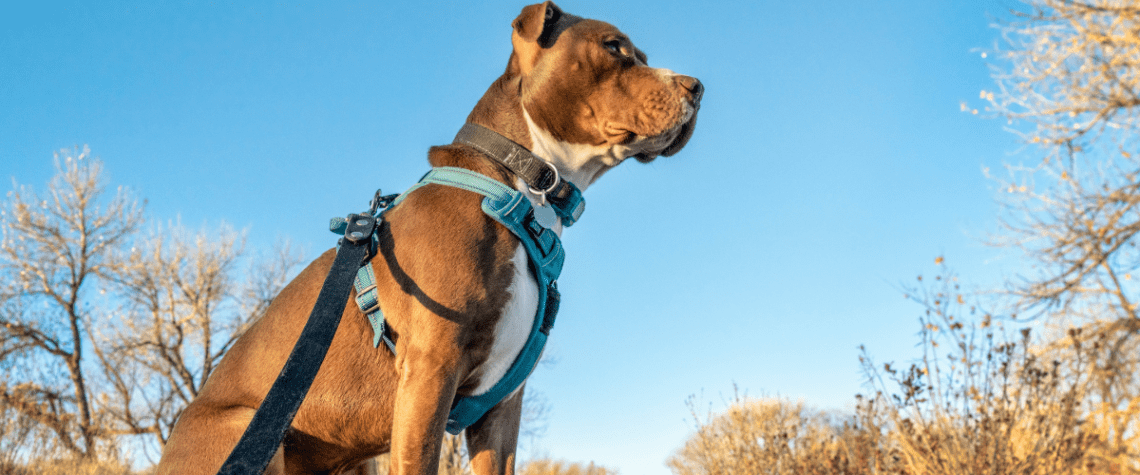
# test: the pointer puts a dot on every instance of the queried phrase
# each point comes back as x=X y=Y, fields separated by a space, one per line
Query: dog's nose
x=693 y=85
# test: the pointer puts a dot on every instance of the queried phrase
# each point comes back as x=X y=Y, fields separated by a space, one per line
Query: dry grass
x=453 y=461
x=560 y=467
x=67 y=467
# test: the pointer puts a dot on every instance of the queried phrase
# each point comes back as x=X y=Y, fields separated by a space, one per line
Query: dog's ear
x=534 y=19
x=532 y=31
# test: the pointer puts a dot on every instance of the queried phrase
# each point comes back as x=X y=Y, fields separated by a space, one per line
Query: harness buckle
x=553 y=301
x=373 y=303
x=544 y=239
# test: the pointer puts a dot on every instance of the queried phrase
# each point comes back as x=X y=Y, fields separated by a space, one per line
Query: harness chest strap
x=544 y=249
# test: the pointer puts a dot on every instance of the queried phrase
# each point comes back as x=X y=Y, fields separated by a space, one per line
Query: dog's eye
x=613 y=45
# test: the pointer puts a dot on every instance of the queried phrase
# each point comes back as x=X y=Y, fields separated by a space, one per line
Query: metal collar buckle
x=553 y=184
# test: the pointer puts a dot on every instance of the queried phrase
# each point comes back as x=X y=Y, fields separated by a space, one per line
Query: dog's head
x=589 y=96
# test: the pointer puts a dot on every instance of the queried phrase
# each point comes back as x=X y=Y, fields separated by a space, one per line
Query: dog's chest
x=514 y=325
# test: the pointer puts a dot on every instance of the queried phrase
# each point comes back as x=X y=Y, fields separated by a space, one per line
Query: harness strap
x=510 y=208
x=513 y=210
x=544 y=249
x=369 y=303
x=365 y=285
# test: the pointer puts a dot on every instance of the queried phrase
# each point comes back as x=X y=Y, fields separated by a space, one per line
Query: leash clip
x=553 y=184
x=380 y=201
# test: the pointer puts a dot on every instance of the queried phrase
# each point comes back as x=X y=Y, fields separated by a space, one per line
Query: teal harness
x=513 y=210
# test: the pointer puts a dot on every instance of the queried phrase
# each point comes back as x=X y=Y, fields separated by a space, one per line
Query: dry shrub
x=560 y=467
x=981 y=401
x=978 y=401
x=774 y=436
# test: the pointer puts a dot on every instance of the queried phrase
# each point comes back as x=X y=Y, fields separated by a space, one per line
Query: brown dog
x=454 y=285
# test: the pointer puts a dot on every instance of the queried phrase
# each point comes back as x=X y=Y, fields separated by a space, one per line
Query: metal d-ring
x=542 y=193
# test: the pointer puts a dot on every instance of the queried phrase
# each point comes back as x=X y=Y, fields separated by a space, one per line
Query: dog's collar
x=539 y=175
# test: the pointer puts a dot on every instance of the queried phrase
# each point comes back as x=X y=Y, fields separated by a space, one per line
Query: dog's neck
x=580 y=164
x=501 y=109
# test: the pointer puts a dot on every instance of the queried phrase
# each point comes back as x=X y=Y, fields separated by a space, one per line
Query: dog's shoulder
x=438 y=242
x=442 y=217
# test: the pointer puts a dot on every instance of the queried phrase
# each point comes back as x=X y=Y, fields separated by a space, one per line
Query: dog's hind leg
x=492 y=440
x=204 y=437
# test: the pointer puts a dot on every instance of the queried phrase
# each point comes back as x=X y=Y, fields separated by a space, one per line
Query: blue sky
x=831 y=163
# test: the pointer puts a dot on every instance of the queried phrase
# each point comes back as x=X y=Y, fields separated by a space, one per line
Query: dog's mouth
x=670 y=142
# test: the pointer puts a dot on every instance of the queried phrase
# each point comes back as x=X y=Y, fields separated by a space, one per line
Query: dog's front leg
x=492 y=440
x=427 y=386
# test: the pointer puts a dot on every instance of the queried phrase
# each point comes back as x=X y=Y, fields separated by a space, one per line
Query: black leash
x=267 y=429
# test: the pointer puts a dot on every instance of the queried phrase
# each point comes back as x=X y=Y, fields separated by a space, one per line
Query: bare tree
x=1071 y=69
x=1068 y=81
x=156 y=314
x=54 y=247
x=535 y=411
x=184 y=304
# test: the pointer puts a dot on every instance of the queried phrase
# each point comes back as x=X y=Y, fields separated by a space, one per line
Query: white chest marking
x=579 y=164
x=513 y=327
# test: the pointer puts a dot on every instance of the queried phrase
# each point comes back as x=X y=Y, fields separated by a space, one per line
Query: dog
x=455 y=286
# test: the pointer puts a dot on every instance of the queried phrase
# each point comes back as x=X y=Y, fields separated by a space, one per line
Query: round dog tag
x=545 y=216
